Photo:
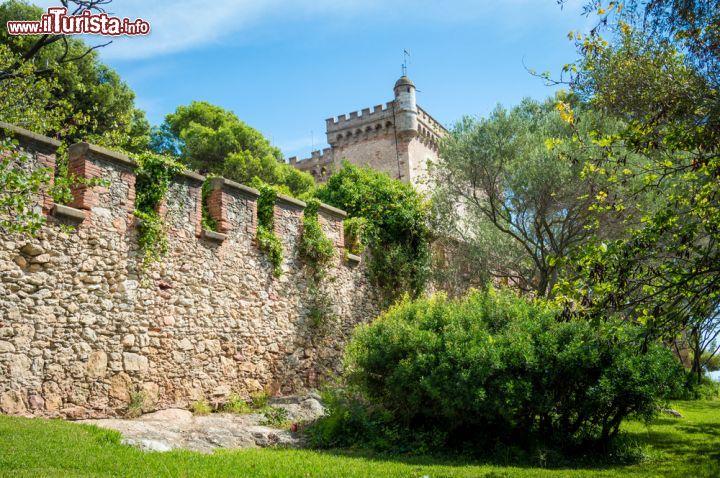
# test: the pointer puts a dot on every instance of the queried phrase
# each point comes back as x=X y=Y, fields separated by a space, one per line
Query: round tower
x=406 y=123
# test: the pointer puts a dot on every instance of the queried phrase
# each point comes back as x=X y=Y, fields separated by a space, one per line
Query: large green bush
x=495 y=367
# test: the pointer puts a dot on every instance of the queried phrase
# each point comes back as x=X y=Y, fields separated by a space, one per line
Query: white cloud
x=179 y=25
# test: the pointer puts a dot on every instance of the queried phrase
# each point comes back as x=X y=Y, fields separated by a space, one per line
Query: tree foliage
x=395 y=228
x=213 y=140
x=657 y=71
x=510 y=188
x=98 y=106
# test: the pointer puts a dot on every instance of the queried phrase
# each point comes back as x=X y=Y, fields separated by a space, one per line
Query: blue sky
x=283 y=66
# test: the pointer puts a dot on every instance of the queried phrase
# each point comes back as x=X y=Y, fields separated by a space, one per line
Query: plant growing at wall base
x=137 y=404
x=275 y=417
x=153 y=181
x=266 y=238
x=236 y=404
x=201 y=407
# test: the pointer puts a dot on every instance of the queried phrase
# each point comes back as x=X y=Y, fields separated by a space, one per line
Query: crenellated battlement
x=320 y=164
x=361 y=126
x=357 y=117
x=430 y=131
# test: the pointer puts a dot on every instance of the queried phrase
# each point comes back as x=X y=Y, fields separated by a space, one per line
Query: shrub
x=201 y=407
x=275 y=417
x=705 y=389
x=494 y=366
x=260 y=400
x=236 y=404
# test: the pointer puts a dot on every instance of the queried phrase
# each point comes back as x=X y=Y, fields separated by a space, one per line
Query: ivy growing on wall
x=353 y=231
x=266 y=238
x=315 y=247
x=154 y=174
x=20 y=185
x=64 y=180
x=317 y=250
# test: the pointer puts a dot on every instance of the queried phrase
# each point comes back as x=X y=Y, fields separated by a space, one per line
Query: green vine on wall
x=266 y=238
x=353 y=231
x=154 y=174
x=317 y=250
x=64 y=181
x=315 y=247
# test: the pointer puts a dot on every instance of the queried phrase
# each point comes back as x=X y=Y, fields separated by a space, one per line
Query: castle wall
x=82 y=326
x=422 y=151
x=379 y=153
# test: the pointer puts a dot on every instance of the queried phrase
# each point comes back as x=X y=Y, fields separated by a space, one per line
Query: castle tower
x=398 y=138
x=406 y=123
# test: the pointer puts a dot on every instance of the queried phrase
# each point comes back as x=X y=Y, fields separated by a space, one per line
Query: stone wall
x=82 y=326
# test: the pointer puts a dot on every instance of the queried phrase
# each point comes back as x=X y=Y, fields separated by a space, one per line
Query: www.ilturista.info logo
x=57 y=22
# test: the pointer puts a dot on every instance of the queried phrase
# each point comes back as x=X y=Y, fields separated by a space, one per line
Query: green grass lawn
x=687 y=447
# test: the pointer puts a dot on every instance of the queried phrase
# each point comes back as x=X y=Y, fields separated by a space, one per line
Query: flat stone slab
x=176 y=428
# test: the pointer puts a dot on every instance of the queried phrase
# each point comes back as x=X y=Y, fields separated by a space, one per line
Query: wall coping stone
x=281 y=198
x=222 y=182
x=112 y=156
x=353 y=258
x=60 y=210
x=333 y=211
x=213 y=236
x=192 y=175
x=30 y=135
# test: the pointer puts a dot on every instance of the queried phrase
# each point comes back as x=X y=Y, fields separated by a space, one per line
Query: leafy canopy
x=215 y=141
x=509 y=187
x=657 y=71
x=92 y=102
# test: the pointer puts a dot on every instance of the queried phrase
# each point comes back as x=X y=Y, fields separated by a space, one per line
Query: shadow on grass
x=666 y=442
x=500 y=457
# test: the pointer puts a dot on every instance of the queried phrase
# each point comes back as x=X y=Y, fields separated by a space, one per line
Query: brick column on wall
x=91 y=162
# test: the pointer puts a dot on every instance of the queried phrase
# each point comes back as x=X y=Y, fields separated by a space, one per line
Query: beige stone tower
x=398 y=138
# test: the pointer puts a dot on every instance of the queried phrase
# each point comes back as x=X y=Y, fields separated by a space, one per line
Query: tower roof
x=404 y=81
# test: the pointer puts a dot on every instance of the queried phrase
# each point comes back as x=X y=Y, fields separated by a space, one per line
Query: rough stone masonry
x=82 y=328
